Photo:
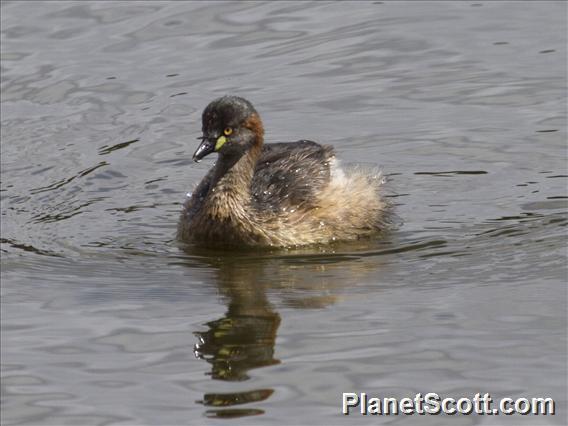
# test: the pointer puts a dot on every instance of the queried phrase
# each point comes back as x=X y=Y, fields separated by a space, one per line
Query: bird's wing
x=289 y=175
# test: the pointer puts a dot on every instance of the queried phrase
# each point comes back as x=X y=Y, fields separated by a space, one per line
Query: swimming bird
x=278 y=194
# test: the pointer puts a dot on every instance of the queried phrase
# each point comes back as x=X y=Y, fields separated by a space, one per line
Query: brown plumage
x=280 y=194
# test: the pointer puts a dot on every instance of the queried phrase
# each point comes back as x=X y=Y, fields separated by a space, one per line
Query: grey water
x=106 y=319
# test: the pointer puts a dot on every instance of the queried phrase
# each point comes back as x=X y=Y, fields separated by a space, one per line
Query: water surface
x=106 y=319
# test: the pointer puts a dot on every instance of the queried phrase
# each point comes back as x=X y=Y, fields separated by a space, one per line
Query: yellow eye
x=228 y=131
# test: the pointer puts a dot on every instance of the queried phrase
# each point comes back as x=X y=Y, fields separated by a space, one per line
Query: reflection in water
x=241 y=340
x=238 y=342
x=244 y=338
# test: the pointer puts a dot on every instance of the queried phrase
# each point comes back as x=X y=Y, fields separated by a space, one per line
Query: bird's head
x=231 y=126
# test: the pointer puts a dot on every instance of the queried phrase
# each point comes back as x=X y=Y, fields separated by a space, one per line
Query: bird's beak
x=206 y=147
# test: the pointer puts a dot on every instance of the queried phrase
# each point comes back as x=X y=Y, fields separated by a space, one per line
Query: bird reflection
x=244 y=338
x=239 y=341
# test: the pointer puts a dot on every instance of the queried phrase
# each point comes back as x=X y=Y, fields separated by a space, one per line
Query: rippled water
x=107 y=320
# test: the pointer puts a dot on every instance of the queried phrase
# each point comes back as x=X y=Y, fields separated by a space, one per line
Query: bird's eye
x=228 y=131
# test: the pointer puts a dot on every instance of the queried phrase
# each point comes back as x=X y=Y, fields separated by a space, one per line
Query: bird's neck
x=230 y=191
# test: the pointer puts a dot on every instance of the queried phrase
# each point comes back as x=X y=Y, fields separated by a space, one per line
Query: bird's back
x=290 y=175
